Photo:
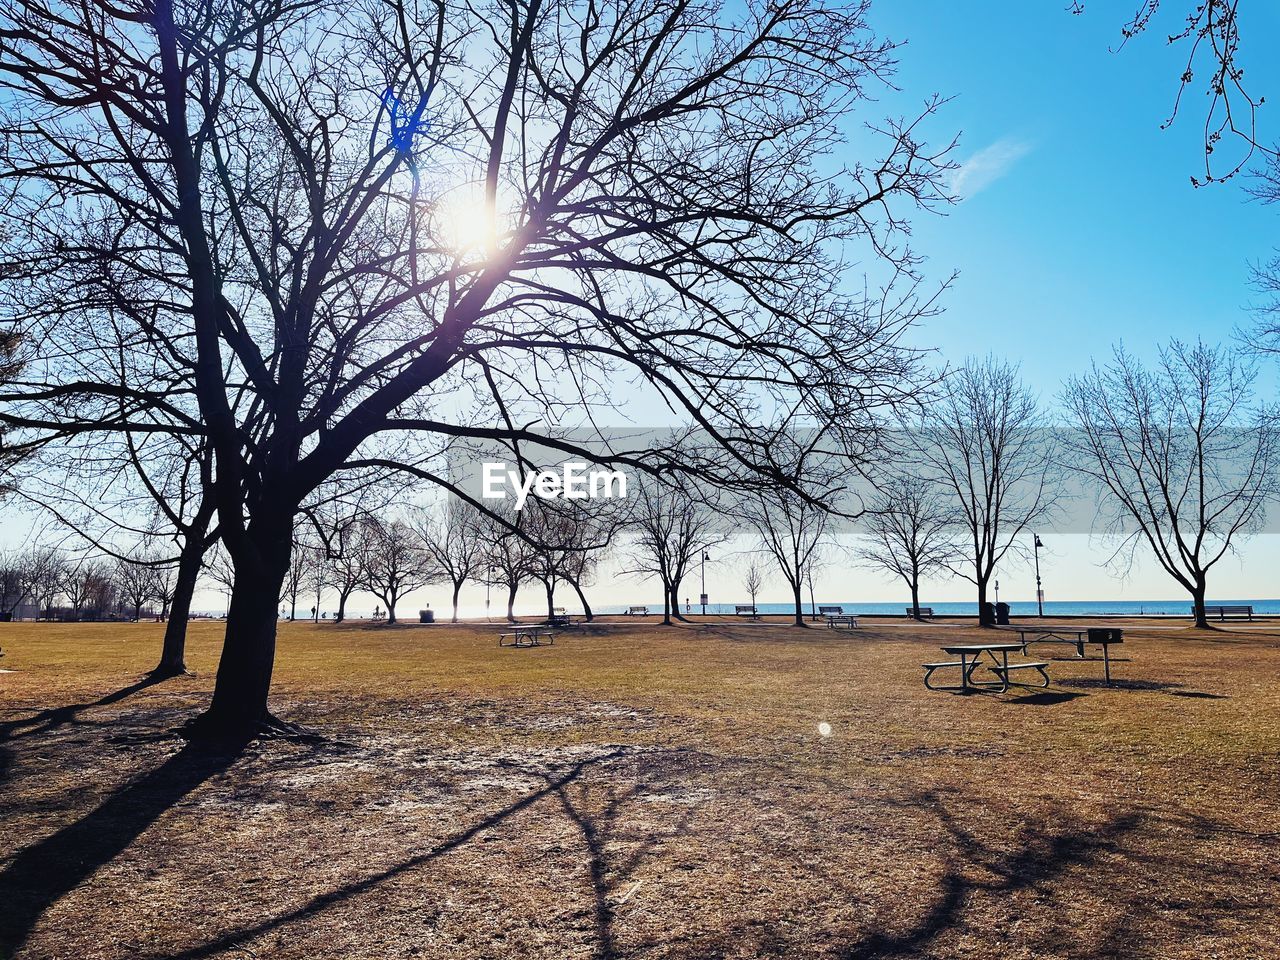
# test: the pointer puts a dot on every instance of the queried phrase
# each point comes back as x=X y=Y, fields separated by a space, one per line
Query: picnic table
x=836 y=617
x=1104 y=637
x=526 y=637
x=972 y=656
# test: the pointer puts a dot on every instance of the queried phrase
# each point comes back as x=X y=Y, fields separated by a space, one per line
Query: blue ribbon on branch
x=404 y=125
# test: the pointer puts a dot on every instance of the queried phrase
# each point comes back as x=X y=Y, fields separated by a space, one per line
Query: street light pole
x=703 y=595
x=488 y=588
x=1039 y=590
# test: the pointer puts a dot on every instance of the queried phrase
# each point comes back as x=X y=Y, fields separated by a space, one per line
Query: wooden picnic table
x=971 y=657
x=846 y=620
x=1077 y=637
x=527 y=637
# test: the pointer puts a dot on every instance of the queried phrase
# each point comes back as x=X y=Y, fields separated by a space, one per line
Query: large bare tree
x=794 y=531
x=984 y=443
x=454 y=537
x=1185 y=458
x=910 y=531
x=395 y=563
x=361 y=230
x=671 y=526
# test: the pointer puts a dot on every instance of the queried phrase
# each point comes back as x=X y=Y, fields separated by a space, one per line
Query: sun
x=466 y=224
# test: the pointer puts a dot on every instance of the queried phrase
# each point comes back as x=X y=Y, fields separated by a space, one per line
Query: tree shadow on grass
x=1047 y=699
x=43 y=873
x=318 y=904
x=54 y=717
x=1040 y=859
x=1149 y=686
x=607 y=877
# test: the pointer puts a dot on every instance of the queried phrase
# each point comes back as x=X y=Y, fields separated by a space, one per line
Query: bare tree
x=454 y=538
x=302 y=562
x=1186 y=460
x=983 y=444
x=315 y=581
x=17 y=579
x=394 y=563
x=672 y=526
x=221 y=572
x=344 y=561
x=48 y=574
x=753 y=579
x=566 y=542
x=591 y=535
x=510 y=557
x=363 y=212
x=909 y=531
x=80 y=583
x=10 y=366
x=793 y=530
x=136 y=580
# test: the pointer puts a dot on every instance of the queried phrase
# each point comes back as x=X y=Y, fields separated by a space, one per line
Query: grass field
x=635 y=791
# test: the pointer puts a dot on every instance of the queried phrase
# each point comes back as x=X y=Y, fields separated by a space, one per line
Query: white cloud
x=987 y=166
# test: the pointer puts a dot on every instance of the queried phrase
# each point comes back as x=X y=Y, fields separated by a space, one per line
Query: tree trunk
x=551 y=598
x=173 y=653
x=915 y=600
x=390 y=601
x=457 y=589
x=983 y=619
x=675 y=604
x=586 y=607
x=342 y=606
x=795 y=592
x=666 y=604
x=238 y=711
x=511 y=601
x=1197 y=603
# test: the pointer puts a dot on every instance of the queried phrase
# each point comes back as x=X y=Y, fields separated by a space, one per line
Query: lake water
x=1052 y=608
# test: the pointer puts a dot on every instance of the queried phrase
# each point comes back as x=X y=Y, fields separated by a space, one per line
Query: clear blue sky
x=1081 y=226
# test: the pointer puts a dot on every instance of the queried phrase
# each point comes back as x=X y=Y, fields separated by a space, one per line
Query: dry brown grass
x=635 y=791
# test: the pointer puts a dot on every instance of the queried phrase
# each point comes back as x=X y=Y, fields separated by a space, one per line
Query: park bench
x=836 y=617
x=637 y=611
x=923 y=611
x=526 y=637
x=559 y=618
x=745 y=610
x=1222 y=611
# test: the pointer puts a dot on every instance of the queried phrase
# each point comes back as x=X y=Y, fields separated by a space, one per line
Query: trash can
x=426 y=616
x=987 y=614
x=1002 y=614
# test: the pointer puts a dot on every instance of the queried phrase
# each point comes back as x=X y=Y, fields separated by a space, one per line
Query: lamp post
x=488 y=588
x=997 y=591
x=703 y=597
x=1039 y=590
